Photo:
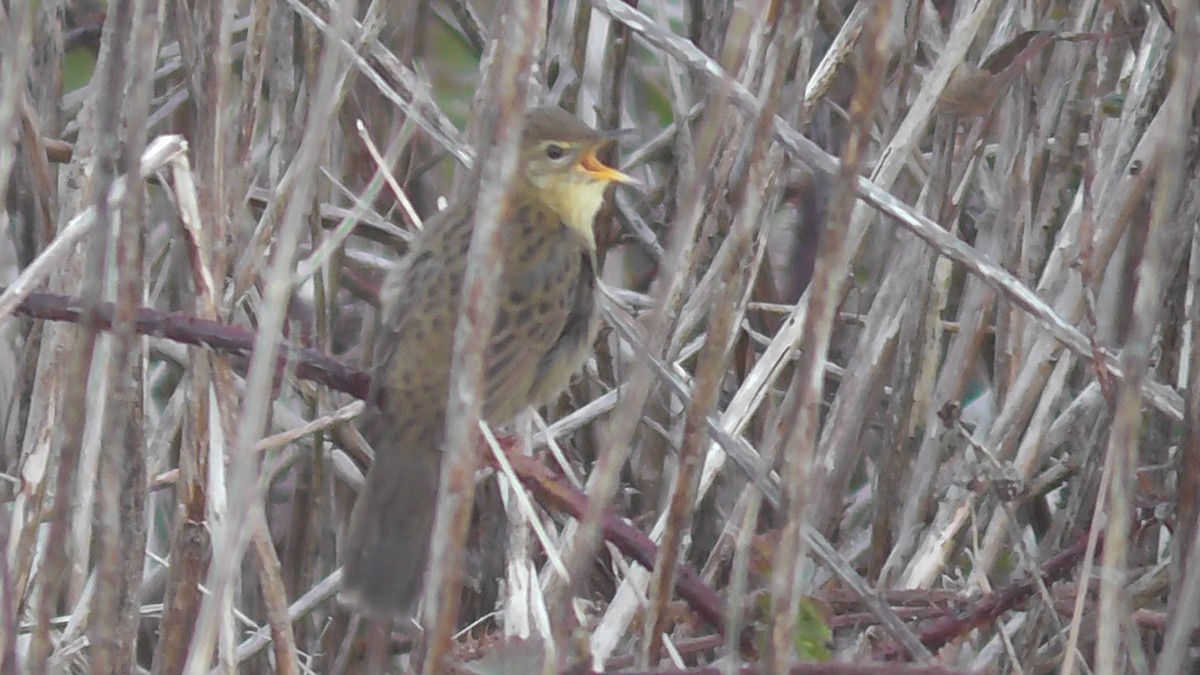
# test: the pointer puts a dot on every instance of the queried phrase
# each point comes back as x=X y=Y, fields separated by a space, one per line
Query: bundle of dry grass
x=895 y=367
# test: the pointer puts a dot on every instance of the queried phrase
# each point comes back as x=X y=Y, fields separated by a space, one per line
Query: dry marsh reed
x=895 y=375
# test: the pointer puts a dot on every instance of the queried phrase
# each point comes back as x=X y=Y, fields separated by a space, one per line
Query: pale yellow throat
x=576 y=204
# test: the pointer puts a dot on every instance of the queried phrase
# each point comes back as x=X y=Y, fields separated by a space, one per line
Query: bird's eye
x=554 y=151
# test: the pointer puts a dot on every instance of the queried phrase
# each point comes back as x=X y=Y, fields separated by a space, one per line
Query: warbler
x=542 y=333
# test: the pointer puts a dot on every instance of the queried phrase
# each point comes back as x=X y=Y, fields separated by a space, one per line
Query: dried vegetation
x=900 y=335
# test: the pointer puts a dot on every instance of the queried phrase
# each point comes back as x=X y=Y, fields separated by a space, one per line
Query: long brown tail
x=386 y=549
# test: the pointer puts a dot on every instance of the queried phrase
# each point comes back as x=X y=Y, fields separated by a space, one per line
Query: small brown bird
x=543 y=331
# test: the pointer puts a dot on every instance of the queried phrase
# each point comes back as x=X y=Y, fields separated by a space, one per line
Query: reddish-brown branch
x=317 y=366
x=310 y=364
x=553 y=492
x=940 y=632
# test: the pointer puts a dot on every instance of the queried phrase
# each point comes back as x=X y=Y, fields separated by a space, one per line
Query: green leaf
x=78 y=66
x=813 y=636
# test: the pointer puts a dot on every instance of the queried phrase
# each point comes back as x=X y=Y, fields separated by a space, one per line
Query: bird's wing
x=421 y=298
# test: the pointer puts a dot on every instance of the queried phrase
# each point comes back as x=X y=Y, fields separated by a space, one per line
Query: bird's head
x=561 y=169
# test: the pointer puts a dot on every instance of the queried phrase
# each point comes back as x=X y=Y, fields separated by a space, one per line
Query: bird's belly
x=551 y=313
x=573 y=346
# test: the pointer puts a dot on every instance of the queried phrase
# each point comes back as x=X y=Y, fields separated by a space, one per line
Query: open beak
x=601 y=171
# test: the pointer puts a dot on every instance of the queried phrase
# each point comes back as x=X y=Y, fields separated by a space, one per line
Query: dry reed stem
x=798 y=416
x=1024 y=269
x=506 y=85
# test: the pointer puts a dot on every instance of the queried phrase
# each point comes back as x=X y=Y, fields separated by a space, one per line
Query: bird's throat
x=577 y=206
